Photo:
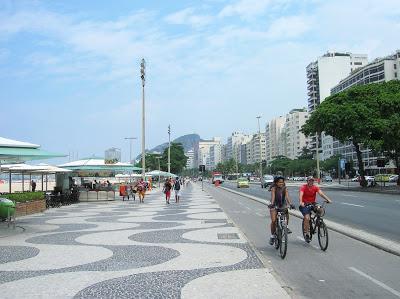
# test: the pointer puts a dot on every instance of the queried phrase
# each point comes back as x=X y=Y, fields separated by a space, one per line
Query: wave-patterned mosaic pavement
x=125 y=249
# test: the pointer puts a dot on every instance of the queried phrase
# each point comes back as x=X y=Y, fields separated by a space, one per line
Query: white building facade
x=190 y=161
x=202 y=152
x=322 y=75
x=379 y=70
x=273 y=138
x=293 y=140
x=256 y=149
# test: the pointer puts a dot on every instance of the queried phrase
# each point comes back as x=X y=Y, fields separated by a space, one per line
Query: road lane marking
x=351 y=204
x=302 y=239
x=379 y=283
x=349 y=195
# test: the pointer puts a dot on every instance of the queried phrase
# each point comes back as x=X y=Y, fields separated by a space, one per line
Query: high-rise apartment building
x=112 y=155
x=190 y=161
x=233 y=146
x=273 y=138
x=255 y=149
x=322 y=75
x=215 y=155
x=379 y=70
x=202 y=152
x=293 y=140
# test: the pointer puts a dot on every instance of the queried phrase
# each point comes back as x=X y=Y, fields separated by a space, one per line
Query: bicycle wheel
x=277 y=237
x=283 y=241
x=322 y=235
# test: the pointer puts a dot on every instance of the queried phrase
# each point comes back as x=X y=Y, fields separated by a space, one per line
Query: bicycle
x=281 y=233
x=317 y=225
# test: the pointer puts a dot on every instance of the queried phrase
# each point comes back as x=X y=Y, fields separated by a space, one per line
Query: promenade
x=132 y=250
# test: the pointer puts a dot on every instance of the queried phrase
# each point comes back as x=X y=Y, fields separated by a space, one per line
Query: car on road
x=266 y=181
x=327 y=178
x=243 y=183
x=393 y=178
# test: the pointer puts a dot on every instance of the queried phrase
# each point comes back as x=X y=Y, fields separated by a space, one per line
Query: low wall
x=30 y=207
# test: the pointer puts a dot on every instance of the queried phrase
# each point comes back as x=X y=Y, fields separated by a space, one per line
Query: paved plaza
x=124 y=249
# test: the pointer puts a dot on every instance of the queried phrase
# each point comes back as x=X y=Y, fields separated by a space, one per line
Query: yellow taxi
x=243 y=183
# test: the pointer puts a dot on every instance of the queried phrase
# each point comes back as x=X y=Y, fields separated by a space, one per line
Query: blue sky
x=69 y=70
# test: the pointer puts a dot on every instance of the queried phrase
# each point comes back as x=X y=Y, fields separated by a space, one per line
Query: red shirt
x=309 y=194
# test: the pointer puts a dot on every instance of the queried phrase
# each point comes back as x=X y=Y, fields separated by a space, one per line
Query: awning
x=21 y=154
x=98 y=164
x=161 y=173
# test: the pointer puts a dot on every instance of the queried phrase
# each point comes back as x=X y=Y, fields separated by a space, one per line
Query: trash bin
x=7 y=208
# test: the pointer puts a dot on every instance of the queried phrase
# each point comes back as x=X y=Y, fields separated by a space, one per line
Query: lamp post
x=259 y=138
x=159 y=172
x=169 y=148
x=130 y=147
x=143 y=77
x=317 y=155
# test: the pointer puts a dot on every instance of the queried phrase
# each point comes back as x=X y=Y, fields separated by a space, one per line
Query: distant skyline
x=70 y=70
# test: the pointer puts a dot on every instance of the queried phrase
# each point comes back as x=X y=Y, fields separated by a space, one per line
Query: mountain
x=188 y=141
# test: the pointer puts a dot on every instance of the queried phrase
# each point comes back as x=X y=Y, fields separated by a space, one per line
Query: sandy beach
x=17 y=186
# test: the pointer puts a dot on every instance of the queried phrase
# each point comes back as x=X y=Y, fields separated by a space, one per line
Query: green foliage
x=290 y=167
x=365 y=114
x=26 y=196
x=178 y=158
x=331 y=163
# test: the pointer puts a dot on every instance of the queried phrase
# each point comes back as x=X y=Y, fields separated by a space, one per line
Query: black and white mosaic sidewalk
x=132 y=250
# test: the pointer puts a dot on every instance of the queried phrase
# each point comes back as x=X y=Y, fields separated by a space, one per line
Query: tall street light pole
x=259 y=138
x=159 y=172
x=130 y=147
x=169 y=148
x=143 y=77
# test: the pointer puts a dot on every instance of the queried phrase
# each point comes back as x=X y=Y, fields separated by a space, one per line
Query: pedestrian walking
x=33 y=184
x=177 y=189
x=123 y=191
x=167 y=190
x=141 y=189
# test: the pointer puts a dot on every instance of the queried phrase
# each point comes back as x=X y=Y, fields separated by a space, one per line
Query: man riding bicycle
x=279 y=200
x=308 y=193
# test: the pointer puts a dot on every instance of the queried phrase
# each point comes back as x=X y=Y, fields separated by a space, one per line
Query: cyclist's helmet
x=278 y=177
x=310 y=178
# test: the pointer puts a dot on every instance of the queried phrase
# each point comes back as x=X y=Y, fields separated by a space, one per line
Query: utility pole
x=259 y=138
x=169 y=148
x=159 y=172
x=130 y=147
x=143 y=77
x=317 y=155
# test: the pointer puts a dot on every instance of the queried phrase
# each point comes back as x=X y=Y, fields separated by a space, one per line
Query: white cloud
x=250 y=8
x=188 y=17
x=289 y=27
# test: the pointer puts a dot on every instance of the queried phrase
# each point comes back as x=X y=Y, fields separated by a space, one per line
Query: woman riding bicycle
x=279 y=200
x=308 y=193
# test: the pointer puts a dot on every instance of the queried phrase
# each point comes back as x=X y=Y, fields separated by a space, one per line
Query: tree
x=306 y=153
x=331 y=163
x=348 y=115
x=385 y=136
x=178 y=158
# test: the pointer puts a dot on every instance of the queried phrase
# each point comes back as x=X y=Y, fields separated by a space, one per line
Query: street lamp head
x=143 y=71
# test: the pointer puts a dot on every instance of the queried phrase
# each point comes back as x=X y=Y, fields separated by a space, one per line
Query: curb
x=344 y=188
x=357 y=234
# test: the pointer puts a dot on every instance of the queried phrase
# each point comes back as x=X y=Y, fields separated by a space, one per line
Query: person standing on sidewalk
x=177 y=189
x=167 y=190
x=141 y=189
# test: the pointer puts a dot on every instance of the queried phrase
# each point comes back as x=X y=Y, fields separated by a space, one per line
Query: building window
x=357 y=63
x=395 y=74
x=395 y=66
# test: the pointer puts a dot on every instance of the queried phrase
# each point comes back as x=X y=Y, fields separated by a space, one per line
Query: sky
x=70 y=70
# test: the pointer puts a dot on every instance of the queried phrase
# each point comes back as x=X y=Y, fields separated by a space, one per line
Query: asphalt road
x=348 y=269
x=375 y=213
